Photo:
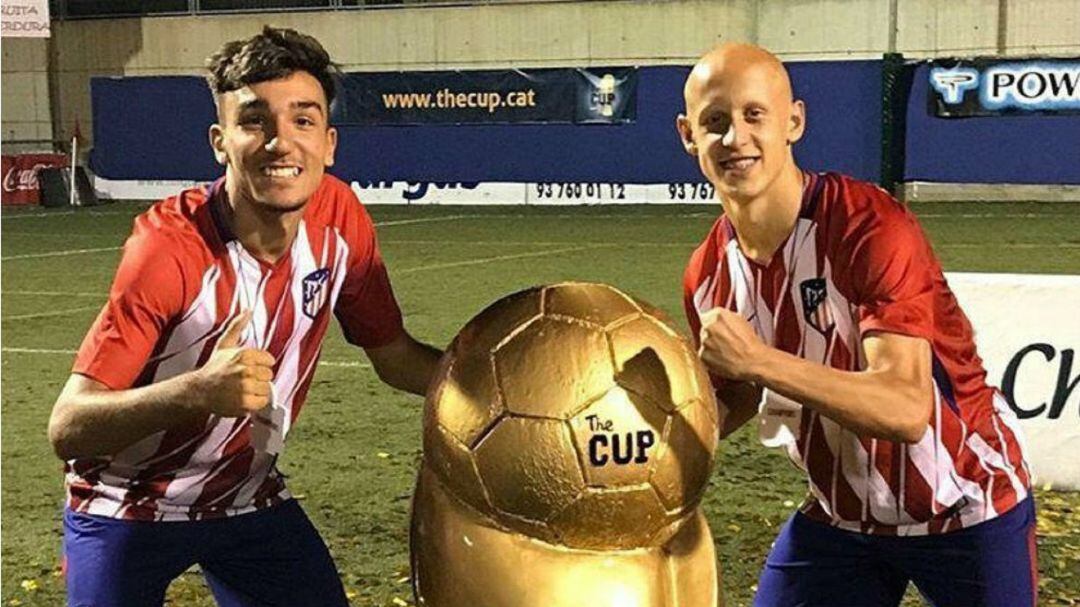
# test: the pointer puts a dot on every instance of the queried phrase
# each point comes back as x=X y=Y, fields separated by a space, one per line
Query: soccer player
x=819 y=297
x=185 y=387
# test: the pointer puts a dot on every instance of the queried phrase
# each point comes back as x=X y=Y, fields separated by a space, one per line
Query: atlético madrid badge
x=315 y=291
x=815 y=304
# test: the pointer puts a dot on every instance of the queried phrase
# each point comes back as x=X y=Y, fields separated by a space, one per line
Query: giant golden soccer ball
x=567 y=422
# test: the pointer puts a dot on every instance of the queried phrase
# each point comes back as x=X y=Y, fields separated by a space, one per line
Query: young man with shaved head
x=185 y=387
x=818 y=303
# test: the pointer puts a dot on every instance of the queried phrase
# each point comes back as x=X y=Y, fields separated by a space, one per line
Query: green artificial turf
x=353 y=455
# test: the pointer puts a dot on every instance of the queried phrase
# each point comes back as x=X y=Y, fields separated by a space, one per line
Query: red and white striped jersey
x=856 y=262
x=182 y=277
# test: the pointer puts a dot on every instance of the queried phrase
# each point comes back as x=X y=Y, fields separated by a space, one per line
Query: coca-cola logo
x=16 y=179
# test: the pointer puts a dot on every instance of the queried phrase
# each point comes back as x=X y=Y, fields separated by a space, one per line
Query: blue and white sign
x=990 y=87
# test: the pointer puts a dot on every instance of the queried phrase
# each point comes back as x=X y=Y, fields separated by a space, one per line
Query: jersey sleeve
x=691 y=282
x=693 y=319
x=702 y=262
x=892 y=273
x=146 y=295
x=366 y=307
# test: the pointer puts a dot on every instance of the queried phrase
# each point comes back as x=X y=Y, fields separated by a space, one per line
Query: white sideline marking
x=58 y=253
x=1011 y=245
x=398 y=222
x=1007 y=245
x=55 y=293
x=6 y=217
x=11 y=216
x=49 y=314
x=64 y=213
x=54 y=234
x=472 y=262
x=437 y=266
x=537 y=243
x=344 y=363
x=579 y=216
x=324 y=363
x=36 y=351
x=717 y=214
x=418 y=242
x=103 y=249
x=990 y=215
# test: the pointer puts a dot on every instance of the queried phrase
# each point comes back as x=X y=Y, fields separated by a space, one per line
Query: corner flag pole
x=74 y=152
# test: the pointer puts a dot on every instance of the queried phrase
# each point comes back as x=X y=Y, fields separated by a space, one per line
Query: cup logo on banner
x=604 y=96
x=607 y=96
x=991 y=87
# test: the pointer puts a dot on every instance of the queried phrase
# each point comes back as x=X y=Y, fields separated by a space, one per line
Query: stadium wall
x=549 y=34
x=25 y=92
x=1032 y=149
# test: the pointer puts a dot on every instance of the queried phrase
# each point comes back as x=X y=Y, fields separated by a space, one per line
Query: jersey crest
x=315 y=291
x=815 y=304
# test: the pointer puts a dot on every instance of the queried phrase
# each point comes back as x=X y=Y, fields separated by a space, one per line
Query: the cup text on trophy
x=619 y=448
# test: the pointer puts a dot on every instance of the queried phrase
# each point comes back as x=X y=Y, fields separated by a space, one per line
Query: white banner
x=25 y=18
x=1027 y=329
x=553 y=193
x=148 y=189
x=492 y=193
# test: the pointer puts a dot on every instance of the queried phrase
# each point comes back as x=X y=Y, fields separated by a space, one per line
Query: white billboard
x=1027 y=329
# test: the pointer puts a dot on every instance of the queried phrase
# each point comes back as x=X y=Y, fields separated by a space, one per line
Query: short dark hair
x=274 y=53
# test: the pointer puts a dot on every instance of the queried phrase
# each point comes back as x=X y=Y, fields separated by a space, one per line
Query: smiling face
x=740 y=121
x=275 y=141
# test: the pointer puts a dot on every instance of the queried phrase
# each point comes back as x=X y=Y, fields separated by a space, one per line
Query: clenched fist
x=235 y=380
x=729 y=346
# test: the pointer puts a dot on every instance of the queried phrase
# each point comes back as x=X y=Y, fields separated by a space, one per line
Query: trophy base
x=459 y=558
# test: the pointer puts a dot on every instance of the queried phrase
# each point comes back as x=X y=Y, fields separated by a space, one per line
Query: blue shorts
x=269 y=557
x=991 y=564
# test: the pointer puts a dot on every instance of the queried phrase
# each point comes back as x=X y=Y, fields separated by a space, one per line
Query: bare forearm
x=103 y=422
x=738 y=404
x=407 y=365
x=877 y=403
x=89 y=419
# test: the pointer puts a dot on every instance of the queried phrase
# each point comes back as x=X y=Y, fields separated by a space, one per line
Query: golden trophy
x=568 y=438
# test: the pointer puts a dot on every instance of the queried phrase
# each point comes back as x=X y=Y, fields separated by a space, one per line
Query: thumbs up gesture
x=235 y=380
